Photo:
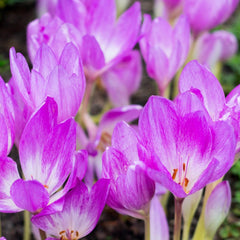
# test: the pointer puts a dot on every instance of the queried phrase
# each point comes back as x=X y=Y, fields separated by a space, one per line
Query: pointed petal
x=60 y=88
x=58 y=155
x=29 y=195
x=124 y=36
x=158 y=127
x=20 y=73
x=102 y=20
x=92 y=56
x=197 y=76
x=45 y=61
x=34 y=137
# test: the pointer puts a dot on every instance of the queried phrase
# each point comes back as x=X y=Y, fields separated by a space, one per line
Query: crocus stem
x=177 y=218
x=147 y=228
x=186 y=230
x=27 y=226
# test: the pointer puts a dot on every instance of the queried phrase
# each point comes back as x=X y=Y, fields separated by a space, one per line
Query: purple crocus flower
x=61 y=78
x=199 y=79
x=164 y=53
x=182 y=147
x=205 y=15
x=48 y=159
x=213 y=47
x=130 y=188
x=79 y=212
x=105 y=43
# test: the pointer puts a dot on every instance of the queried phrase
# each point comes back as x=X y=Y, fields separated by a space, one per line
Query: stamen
x=62 y=232
x=46 y=186
x=175 y=170
x=186 y=181
x=77 y=233
x=184 y=167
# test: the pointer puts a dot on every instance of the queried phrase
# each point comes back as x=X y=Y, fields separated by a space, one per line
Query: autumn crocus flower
x=48 y=159
x=76 y=214
x=164 y=53
x=205 y=15
x=61 y=78
x=130 y=188
x=183 y=149
x=104 y=42
x=213 y=47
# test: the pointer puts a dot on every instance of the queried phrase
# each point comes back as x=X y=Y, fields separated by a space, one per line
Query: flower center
x=181 y=179
x=69 y=235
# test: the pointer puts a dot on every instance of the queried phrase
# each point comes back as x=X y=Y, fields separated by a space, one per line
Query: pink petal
x=34 y=138
x=123 y=79
x=80 y=212
x=102 y=17
x=124 y=36
x=197 y=76
x=29 y=195
x=92 y=56
x=9 y=174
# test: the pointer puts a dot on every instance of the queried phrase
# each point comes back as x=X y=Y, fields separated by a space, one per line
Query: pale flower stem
x=177 y=218
x=147 y=228
x=27 y=226
x=186 y=230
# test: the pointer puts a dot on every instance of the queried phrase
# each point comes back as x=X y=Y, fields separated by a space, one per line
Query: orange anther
x=186 y=181
x=184 y=167
x=175 y=170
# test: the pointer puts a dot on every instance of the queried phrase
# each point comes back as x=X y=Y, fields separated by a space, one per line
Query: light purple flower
x=78 y=215
x=48 y=158
x=213 y=47
x=164 y=53
x=105 y=43
x=130 y=188
x=196 y=77
x=217 y=208
x=205 y=15
x=183 y=148
x=61 y=78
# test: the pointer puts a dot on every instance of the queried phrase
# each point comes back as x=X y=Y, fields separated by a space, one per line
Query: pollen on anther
x=175 y=170
x=184 y=167
x=186 y=181
x=62 y=232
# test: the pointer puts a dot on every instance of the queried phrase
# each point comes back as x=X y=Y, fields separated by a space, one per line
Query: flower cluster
x=73 y=163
